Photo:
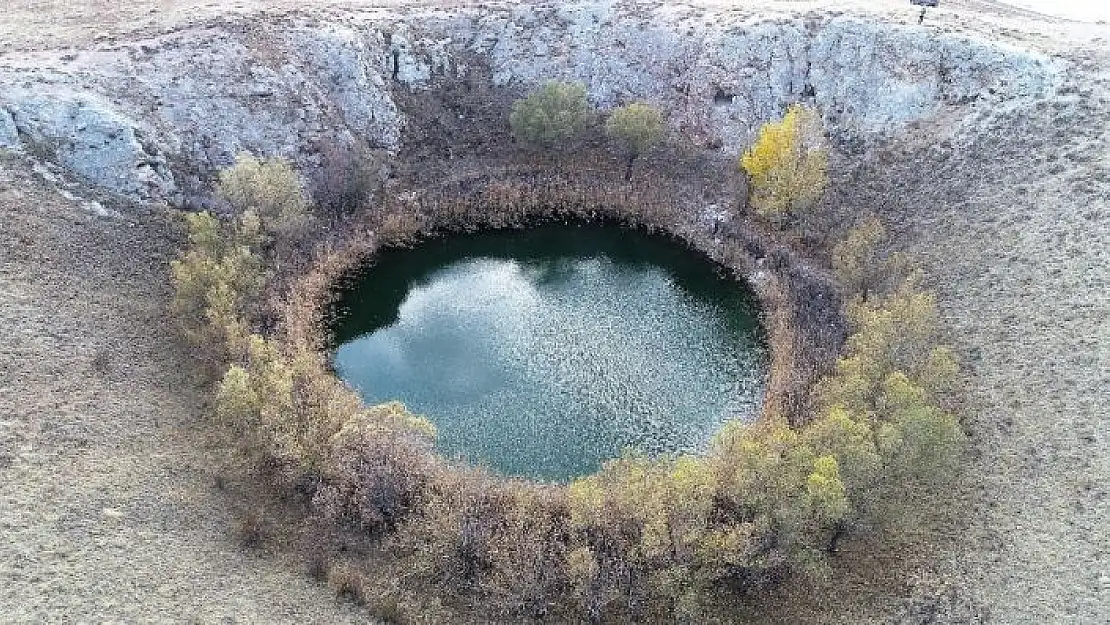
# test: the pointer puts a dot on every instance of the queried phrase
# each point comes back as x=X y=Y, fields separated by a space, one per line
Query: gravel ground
x=108 y=505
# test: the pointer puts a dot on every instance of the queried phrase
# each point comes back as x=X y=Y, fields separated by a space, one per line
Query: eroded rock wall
x=722 y=78
x=152 y=119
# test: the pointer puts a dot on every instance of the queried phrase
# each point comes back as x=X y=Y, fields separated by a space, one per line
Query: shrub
x=398 y=229
x=456 y=536
x=859 y=264
x=347 y=582
x=251 y=528
x=345 y=181
x=880 y=411
x=377 y=471
x=387 y=609
x=788 y=165
x=529 y=562
x=637 y=128
x=551 y=116
x=255 y=399
x=217 y=281
x=271 y=189
x=636 y=530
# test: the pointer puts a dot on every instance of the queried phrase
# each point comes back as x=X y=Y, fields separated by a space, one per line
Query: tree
x=552 y=115
x=637 y=528
x=788 y=165
x=638 y=128
x=920 y=441
x=825 y=491
x=849 y=438
x=217 y=281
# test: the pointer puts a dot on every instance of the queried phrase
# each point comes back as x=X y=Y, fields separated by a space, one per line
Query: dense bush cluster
x=218 y=281
x=552 y=116
x=644 y=539
x=272 y=191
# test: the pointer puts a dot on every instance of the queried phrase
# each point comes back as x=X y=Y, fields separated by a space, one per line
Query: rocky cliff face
x=149 y=120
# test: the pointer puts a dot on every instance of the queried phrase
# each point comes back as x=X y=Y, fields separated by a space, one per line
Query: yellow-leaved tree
x=787 y=165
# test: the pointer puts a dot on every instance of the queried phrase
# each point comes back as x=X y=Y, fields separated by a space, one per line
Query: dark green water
x=544 y=352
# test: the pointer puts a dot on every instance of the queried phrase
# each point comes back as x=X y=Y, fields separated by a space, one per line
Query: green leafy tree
x=761 y=473
x=861 y=267
x=552 y=116
x=920 y=441
x=850 y=438
x=637 y=528
x=787 y=165
x=637 y=128
x=827 y=497
x=881 y=410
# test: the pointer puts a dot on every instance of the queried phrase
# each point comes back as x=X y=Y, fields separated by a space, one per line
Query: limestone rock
x=721 y=79
x=351 y=65
x=197 y=97
x=9 y=135
x=84 y=134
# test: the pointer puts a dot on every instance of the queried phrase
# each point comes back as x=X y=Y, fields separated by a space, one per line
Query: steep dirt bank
x=1008 y=212
x=1020 y=262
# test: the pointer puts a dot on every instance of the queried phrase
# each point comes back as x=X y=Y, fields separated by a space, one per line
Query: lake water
x=544 y=352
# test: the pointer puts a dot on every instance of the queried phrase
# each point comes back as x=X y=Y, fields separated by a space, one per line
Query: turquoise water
x=544 y=352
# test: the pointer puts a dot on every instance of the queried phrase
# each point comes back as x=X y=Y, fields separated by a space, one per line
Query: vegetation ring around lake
x=854 y=417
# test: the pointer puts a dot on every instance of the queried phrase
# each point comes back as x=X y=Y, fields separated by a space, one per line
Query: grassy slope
x=108 y=503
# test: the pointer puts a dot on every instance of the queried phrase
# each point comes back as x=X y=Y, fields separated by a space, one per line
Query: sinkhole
x=543 y=352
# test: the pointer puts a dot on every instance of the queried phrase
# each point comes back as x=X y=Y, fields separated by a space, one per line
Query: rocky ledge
x=153 y=119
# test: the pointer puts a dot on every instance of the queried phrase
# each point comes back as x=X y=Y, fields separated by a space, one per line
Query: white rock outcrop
x=348 y=69
x=724 y=78
x=9 y=134
x=86 y=136
x=195 y=98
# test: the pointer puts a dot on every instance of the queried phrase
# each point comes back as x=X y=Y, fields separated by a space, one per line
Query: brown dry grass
x=116 y=502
